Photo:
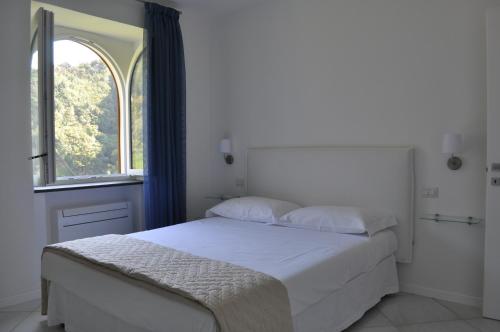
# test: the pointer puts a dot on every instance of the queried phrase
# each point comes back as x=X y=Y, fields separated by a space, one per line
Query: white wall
x=491 y=307
x=398 y=72
x=17 y=254
x=21 y=234
x=204 y=177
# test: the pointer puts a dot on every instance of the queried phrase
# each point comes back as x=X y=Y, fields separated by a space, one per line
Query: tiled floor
x=412 y=313
x=397 y=313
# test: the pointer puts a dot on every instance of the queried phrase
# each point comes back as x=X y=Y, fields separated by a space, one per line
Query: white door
x=491 y=303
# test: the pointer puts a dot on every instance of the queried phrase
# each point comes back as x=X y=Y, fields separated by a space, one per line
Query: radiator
x=78 y=223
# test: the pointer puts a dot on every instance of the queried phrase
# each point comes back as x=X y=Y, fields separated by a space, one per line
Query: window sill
x=82 y=186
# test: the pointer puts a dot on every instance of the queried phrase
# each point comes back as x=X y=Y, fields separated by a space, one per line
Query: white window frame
x=131 y=171
x=122 y=108
x=44 y=35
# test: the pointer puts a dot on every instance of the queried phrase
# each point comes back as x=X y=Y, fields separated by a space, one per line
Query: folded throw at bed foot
x=240 y=299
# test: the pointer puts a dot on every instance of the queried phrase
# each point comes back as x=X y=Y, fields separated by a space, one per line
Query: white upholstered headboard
x=379 y=177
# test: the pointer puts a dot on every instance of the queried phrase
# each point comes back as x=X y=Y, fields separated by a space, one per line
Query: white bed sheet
x=82 y=313
x=309 y=263
x=312 y=265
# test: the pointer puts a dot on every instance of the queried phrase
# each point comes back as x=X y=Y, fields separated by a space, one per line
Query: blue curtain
x=165 y=119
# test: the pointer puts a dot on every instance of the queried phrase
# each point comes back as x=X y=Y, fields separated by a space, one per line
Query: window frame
x=117 y=75
x=43 y=36
x=139 y=52
x=122 y=76
x=36 y=159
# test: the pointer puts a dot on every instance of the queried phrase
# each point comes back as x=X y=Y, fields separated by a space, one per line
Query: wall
x=17 y=255
x=204 y=177
x=22 y=234
x=400 y=72
x=491 y=307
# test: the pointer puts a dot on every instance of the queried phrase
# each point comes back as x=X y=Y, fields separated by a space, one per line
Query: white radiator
x=94 y=220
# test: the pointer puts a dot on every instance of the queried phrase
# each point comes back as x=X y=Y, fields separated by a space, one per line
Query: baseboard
x=442 y=295
x=20 y=298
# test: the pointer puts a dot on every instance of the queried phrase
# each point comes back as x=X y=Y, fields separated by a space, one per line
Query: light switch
x=430 y=192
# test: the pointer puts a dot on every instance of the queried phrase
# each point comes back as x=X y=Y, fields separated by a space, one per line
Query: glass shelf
x=438 y=218
x=221 y=197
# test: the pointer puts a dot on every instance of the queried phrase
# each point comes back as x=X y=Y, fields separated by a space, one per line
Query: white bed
x=332 y=279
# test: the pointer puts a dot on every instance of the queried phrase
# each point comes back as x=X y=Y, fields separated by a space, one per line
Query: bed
x=332 y=279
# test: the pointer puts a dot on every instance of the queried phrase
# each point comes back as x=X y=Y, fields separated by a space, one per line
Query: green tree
x=86 y=117
x=86 y=120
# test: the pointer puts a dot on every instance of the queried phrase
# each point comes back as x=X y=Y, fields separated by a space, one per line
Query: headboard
x=365 y=176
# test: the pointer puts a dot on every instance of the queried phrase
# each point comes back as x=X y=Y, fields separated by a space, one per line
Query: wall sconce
x=452 y=144
x=226 y=148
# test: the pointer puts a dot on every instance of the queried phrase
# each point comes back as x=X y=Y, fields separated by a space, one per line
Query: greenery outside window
x=87 y=111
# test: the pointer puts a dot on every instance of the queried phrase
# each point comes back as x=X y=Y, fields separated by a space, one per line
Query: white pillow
x=251 y=208
x=339 y=219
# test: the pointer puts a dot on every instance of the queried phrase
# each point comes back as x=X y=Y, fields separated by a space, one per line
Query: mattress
x=312 y=265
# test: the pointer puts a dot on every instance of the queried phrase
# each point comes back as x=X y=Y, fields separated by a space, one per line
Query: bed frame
x=366 y=176
x=381 y=177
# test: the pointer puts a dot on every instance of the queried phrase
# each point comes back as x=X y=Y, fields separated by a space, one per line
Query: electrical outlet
x=239 y=182
x=430 y=192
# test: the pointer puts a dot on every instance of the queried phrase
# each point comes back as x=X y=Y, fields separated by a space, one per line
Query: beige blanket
x=239 y=298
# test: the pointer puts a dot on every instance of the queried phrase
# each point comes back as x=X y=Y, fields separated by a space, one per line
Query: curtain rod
x=145 y=1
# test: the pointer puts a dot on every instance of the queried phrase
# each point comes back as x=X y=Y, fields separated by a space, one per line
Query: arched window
x=86 y=121
x=87 y=112
x=137 y=102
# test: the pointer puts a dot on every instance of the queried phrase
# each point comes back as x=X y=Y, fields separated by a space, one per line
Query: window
x=88 y=126
x=86 y=113
x=137 y=102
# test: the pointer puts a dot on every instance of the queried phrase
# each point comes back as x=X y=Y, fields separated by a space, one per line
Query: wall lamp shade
x=453 y=144
x=226 y=148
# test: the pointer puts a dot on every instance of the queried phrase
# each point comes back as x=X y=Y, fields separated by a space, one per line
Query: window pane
x=137 y=99
x=35 y=130
x=86 y=113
